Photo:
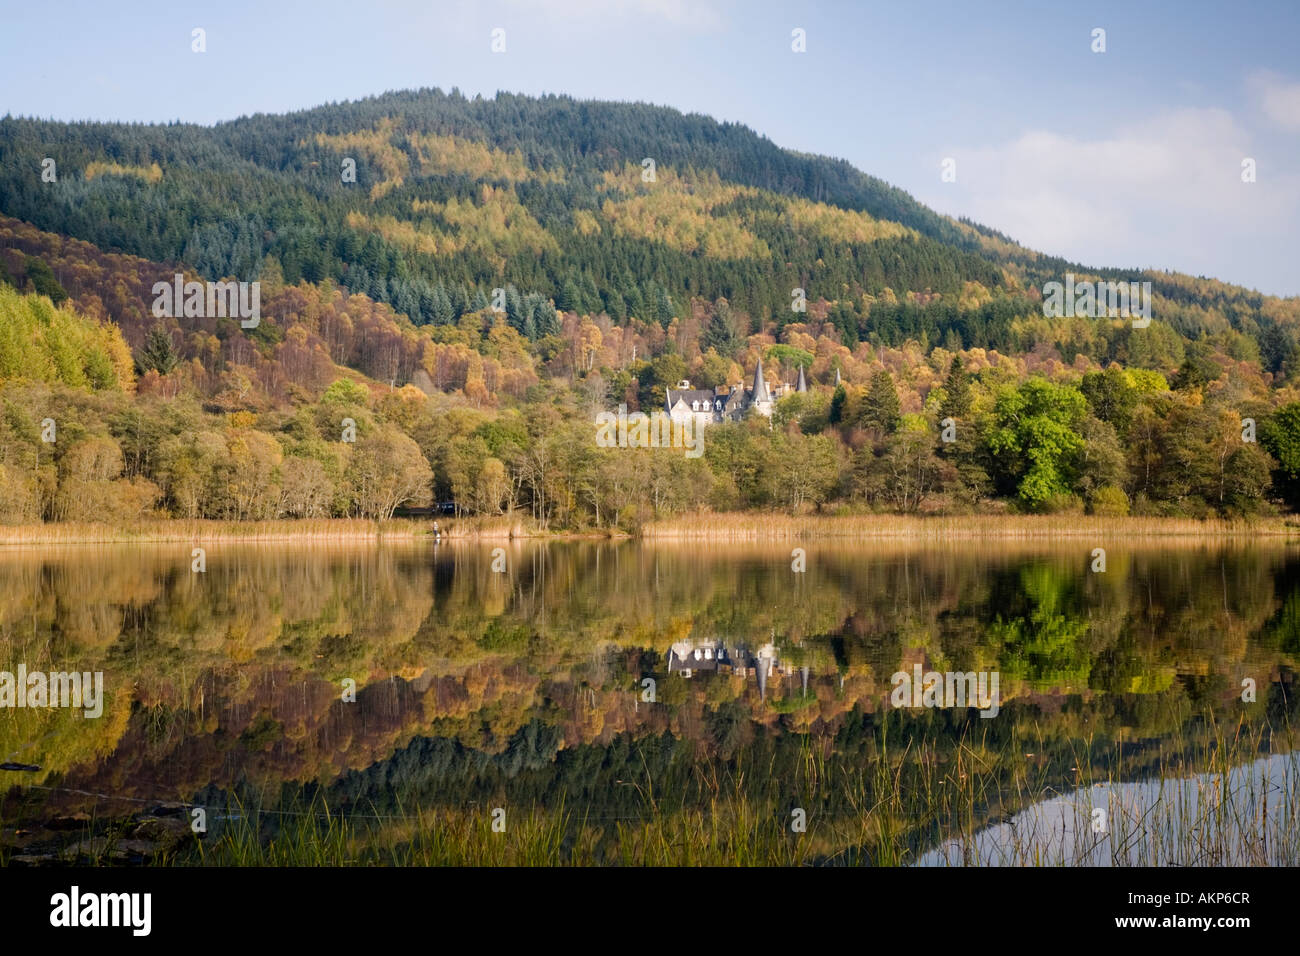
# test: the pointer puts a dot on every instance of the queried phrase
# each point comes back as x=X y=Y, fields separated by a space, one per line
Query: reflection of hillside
x=234 y=675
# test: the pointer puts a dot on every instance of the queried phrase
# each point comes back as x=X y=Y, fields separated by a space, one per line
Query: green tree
x=957 y=397
x=666 y=370
x=1280 y=435
x=720 y=334
x=1112 y=396
x=838 y=399
x=880 y=407
x=664 y=309
x=1034 y=439
x=43 y=281
x=157 y=355
x=1198 y=369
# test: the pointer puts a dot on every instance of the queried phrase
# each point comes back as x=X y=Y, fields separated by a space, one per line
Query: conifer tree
x=957 y=401
x=881 y=408
x=157 y=354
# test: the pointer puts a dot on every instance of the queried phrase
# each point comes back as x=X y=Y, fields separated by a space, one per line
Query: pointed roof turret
x=837 y=376
x=759 y=392
x=803 y=382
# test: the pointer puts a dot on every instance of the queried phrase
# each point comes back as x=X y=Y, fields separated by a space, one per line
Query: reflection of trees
x=241 y=665
x=1041 y=635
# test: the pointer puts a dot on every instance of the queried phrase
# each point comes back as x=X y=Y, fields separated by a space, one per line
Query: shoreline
x=749 y=526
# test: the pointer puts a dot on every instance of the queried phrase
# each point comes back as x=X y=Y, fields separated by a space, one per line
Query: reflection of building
x=728 y=403
x=687 y=658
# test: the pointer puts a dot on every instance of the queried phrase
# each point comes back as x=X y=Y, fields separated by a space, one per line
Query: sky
x=1131 y=158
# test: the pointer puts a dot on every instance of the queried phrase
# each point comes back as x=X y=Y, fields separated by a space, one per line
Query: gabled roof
x=689 y=395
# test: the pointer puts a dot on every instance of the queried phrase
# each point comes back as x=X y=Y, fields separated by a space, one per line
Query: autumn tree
x=387 y=470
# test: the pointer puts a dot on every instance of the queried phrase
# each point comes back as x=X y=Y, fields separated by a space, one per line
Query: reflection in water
x=529 y=687
x=1223 y=819
x=687 y=658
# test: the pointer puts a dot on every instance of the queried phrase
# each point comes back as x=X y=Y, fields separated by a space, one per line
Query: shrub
x=1110 y=501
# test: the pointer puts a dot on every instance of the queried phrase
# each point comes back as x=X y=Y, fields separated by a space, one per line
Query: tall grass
x=325 y=529
x=1202 y=800
x=740 y=526
x=750 y=526
x=302 y=529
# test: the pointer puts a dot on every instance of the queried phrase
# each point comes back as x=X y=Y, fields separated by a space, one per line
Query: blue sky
x=1128 y=158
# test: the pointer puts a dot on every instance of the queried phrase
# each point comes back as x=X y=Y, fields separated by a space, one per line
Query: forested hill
x=454 y=196
x=469 y=282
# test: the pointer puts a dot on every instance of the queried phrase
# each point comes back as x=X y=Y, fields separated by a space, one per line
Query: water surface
x=626 y=682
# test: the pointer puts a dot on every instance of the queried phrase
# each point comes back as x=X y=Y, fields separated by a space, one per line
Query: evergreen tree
x=837 y=404
x=43 y=281
x=881 y=408
x=443 y=313
x=615 y=306
x=720 y=334
x=957 y=401
x=570 y=298
x=459 y=301
x=635 y=303
x=664 y=311
x=157 y=354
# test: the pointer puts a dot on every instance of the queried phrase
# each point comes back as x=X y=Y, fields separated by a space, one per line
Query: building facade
x=724 y=403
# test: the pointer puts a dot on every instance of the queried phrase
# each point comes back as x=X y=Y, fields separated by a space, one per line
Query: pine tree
x=957 y=401
x=881 y=408
x=719 y=334
x=157 y=354
x=570 y=298
x=664 y=308
x=43 y=280
x=837 y=404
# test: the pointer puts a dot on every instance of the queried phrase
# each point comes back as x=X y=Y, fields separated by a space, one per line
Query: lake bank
x=746 y=526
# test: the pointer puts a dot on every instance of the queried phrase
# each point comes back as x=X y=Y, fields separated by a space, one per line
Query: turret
x=759 y=392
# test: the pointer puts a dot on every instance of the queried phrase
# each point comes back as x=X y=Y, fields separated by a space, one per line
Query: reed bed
x=324 y=529
x=302 y=529
x=740 y=526
x=1217 y=796
x=750 y=526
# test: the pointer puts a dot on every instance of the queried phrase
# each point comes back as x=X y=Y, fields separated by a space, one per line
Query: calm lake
x=621 y=690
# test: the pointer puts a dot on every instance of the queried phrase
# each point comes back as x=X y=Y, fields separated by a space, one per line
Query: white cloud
x=1278 y=98
x=1162 y=191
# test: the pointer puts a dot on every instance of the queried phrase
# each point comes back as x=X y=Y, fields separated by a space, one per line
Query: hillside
x=616 y=278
